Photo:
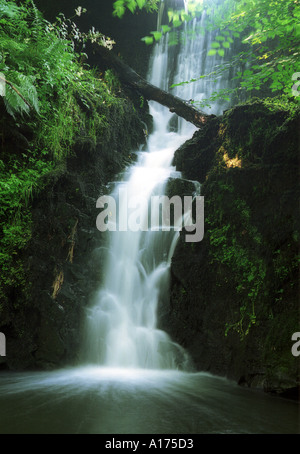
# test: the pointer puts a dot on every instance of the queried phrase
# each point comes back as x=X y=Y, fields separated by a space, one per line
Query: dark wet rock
x=234 y=301
x=64 y=258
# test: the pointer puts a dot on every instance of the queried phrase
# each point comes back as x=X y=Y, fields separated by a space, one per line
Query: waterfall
x=122 y=323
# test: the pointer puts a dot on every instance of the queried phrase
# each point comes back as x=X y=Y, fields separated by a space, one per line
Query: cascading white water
x=122 y=331
x=122 y=325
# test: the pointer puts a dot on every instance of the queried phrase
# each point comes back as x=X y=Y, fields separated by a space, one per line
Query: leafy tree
x=261 y=36
x=269 y=33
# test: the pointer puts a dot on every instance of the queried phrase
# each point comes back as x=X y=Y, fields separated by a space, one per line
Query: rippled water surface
x=95 y=400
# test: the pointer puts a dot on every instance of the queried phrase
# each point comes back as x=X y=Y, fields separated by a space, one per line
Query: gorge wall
x=235 y=296
x=42 y=317
x=234 y=301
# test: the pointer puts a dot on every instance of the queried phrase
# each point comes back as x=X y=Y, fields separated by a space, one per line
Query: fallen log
x=150 y=92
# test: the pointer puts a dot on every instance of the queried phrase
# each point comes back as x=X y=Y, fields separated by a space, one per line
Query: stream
x=102 y=400
x=133 y=378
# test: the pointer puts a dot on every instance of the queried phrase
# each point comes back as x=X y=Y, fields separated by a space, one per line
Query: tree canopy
x=263 y=35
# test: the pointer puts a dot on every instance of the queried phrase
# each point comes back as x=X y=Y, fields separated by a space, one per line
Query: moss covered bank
x=235 y=296
x=53 y=275
x=66 y=130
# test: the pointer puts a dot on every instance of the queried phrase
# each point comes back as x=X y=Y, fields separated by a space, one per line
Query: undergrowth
x=48 y=97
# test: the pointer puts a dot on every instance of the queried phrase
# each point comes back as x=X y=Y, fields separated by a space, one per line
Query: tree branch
x=150 y=92
x=16 y=90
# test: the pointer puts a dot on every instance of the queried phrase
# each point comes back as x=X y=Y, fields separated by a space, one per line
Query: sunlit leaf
x=141 y=3
x=131 y=6
x=157 y=35
x=177 y=23
x=148 y=39
x=165 y=28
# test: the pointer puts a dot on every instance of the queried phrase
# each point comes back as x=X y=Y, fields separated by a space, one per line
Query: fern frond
x=38 y=23
x=8 y=10
x=21 y=96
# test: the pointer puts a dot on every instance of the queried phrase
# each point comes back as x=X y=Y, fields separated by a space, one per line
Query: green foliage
x=18 y=181
x=52 y=94
x=269 y=32
x=251 y=231
x=236 y=249
x=260 y=36
x=39 y=60
x=111 y=81
x=120 y=6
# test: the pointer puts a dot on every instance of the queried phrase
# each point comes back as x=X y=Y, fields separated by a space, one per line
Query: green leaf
x=226 y=45
x=119 y=11
x=141 y=3
x=221 y=52
x=148 y=40
x=157 y=35
x=211 y=52
x=186 y=17
x=177 y=23
x=215 y=45
x=131 y=6
x=165 y=28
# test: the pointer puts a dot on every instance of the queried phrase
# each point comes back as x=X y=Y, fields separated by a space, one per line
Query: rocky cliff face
x=62 y=262
x=234 y=297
